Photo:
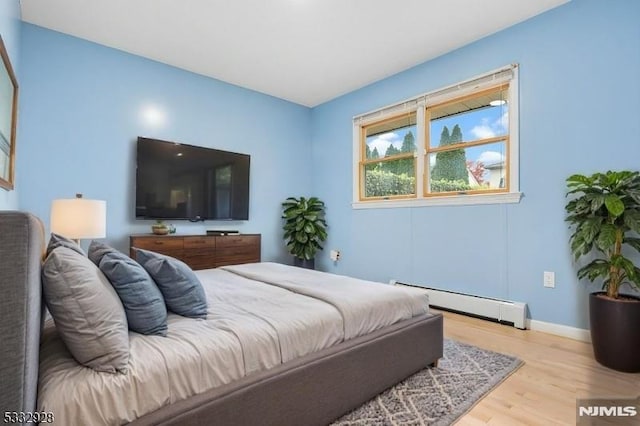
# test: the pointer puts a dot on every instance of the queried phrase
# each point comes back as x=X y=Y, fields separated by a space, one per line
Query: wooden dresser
x=201 y=251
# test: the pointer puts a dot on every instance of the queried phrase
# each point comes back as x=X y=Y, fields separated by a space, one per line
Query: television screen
x=178 y=181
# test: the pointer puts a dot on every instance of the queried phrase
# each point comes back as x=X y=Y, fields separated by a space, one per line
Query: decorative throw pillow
x=57 y=240
x=143 y=302
x=97 y=250
x=87 y=311
x=182 y=290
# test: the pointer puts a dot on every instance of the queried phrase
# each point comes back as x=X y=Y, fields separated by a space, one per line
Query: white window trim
x=452 y=200
x=419 y=103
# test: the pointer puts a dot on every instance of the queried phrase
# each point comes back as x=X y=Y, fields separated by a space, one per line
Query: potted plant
x=304 y=229
x=604 y=213
x=160 y=228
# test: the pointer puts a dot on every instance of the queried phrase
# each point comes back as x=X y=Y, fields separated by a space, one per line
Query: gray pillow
x=87 y=311
x=182 y=291
x=97 y=250
x=57 y=240
x=143 y=302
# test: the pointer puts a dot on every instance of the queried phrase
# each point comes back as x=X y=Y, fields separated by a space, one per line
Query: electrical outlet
x=549 y=279
x=335 y=255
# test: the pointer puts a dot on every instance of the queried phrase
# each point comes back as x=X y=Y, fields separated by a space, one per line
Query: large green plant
x=604 y=212
x=304 y=226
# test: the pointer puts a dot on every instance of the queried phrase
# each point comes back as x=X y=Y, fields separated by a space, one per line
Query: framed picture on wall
x=8 y=120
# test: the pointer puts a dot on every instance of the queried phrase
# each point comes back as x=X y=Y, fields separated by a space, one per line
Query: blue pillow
x=97 y=250
x=182 y=291
x=142 y=301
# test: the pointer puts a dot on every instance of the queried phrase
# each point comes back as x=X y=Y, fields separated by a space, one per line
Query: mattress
x=257 y=319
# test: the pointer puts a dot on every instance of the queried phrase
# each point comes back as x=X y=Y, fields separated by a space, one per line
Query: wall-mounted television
x=179 y=181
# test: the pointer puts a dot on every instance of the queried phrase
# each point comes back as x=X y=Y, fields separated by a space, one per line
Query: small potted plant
x=304 y=229
x=604 y=214
x=160 y=228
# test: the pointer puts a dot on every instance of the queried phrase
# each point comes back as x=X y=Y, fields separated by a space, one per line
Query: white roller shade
x=494 y=78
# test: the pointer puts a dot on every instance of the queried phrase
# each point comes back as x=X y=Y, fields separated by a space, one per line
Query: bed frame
x=312 y=390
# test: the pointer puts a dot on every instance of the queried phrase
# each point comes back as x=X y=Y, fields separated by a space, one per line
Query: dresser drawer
x=158 y=243
x=199 y=243
x=238 y=255
x=200 y=252
x=229 y=241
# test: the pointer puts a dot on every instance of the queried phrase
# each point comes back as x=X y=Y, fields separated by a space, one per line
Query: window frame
x=401 y=156
x=465 y=144
x=422 y=105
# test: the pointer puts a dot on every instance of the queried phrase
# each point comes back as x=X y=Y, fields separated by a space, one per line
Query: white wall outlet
x=549 y=279
x=334 y=255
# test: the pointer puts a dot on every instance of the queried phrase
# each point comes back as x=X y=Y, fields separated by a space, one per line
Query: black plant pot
x=304 y=263
x=615 y=332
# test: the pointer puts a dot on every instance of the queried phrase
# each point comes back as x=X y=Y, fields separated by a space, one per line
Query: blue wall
x=579 y=113
x=83 y=106
x=10 y=32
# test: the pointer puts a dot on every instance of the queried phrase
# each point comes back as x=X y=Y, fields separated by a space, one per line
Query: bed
x=308 y=376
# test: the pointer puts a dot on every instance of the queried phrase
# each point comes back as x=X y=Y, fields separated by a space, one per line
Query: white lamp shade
x=79 y=218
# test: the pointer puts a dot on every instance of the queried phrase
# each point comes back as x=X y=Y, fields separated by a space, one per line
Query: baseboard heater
x=502 y=311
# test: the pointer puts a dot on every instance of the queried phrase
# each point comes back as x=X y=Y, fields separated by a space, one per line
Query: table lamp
x=79 y=218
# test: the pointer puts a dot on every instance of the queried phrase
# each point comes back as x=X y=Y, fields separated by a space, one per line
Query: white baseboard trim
x=559 y=330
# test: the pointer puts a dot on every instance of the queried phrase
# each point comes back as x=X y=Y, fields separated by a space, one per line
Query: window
x=458 y=145
x=467 y=144
x=389 y=166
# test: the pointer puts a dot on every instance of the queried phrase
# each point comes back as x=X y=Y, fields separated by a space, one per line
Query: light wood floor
x=544 y=390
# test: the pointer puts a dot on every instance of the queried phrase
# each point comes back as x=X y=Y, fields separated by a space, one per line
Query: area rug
x=437 y=396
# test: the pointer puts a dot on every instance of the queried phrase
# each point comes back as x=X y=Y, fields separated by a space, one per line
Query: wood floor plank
x=544 y=391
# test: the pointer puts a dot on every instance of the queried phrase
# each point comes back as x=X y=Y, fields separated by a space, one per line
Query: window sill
x=454 y=200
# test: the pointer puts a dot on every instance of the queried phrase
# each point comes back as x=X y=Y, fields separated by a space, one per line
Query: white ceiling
x=304 y=51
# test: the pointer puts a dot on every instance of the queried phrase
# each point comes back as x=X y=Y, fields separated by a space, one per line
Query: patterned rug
x=437 y=396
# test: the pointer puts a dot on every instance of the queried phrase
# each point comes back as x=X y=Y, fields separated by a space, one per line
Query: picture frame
x=8 y=120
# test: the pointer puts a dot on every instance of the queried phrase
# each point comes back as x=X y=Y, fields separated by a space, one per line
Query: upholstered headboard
x=21 y=248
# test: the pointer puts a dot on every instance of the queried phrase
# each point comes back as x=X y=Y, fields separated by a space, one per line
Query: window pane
x=391 y=137
x=386 y=178
x=482 y=117
x=476 y=168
